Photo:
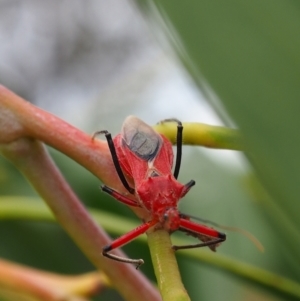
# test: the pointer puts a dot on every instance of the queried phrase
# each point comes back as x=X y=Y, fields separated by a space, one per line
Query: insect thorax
x=160 y=193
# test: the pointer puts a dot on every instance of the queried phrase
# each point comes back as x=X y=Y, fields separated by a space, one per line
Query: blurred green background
x=248 y=53
x=244 y=58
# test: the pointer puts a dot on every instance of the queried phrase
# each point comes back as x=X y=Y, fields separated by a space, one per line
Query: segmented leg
x=115 y=159
x=124 y=239
x=178 y=144
x=208 y=243
x=210 y=237
x=119 y=197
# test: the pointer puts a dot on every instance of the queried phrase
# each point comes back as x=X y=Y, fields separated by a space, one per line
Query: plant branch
x=203 y=135
x=20 y=124
x=31 y=158
x=165 y=267
x=48 y=286
x=20 y=119
x=29 y=209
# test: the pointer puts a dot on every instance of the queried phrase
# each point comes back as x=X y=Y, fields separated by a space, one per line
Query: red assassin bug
x=147 y=157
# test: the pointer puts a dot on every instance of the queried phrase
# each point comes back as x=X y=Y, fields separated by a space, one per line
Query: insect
x=146 y=157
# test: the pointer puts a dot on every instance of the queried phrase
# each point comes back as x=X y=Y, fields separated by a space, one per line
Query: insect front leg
x=124 y=239
x=115 y=159
x=120 y=197
x=178 y=144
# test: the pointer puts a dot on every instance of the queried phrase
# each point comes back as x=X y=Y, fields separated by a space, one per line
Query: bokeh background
x=227 y=63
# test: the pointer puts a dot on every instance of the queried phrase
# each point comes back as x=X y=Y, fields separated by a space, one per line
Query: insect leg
x=249 y=235
x=178 y=144
x=209 y=236
x=126 y=238
x=119 y=197
x=115 y=158
x=208 y=243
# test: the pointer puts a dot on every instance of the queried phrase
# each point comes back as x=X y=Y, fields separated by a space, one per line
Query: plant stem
x=49 y=286
x=31 y=158
x=19 y=118
x=203 y=135
x=29 y=209
x=20 y=124
x=165 y=267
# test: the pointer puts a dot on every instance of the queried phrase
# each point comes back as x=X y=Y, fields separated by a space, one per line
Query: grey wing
x=141 y=138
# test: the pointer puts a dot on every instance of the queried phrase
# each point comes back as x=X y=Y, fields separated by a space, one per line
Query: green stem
x=29 y=209
x=165 y=267
x=274 y=282
x=203 y=135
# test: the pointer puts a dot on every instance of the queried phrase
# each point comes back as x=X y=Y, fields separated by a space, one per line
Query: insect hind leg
x=178 y=144
x=210 y=243
x=210 y=237
x=115 y=159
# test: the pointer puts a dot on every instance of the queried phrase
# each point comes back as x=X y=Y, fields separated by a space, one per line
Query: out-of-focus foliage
x=248 y=52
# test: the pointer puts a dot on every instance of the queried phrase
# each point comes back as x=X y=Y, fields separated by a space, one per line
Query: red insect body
x=147 y=158
x=156 y=187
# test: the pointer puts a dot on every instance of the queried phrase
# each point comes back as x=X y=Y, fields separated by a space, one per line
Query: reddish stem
x=20 y=124
x=48 y=286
